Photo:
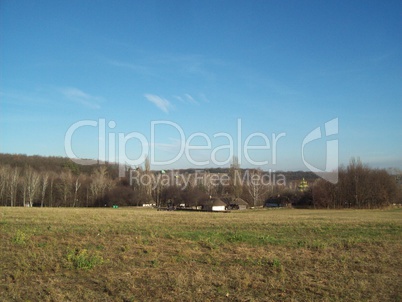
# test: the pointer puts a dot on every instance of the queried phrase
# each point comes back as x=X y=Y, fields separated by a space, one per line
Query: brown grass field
x=128 y=254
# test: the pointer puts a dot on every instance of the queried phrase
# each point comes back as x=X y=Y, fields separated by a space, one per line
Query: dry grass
x=144 y=255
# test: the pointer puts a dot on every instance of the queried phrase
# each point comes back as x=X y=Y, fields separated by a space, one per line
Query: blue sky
x=205 y=67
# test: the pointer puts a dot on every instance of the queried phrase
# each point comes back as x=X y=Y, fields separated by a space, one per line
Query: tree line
x=359 y=186
x=59 y=182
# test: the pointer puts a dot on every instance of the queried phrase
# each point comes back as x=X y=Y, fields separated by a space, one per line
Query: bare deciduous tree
x=100 y=183
x=77 y=185
x=236 y=187
x=13 y=185
x=255 y=186
x=65 y=185
x=52 y=177
x=147 y=171
x=32 y=179
x=45 y=181
x=24 y=190
x=4 y=171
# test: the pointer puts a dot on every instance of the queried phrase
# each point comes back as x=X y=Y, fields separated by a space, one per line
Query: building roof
x=216 y=202
x=240 y=202
x=230 y=200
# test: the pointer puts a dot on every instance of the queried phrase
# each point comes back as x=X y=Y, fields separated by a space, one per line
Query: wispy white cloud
x=161 y=103
x=190 y=99
x=186 y=98
x=191 y=64
x=146 y=70
x=162 y=66
x=81 y=97
x=177 y=97
x=173 y=146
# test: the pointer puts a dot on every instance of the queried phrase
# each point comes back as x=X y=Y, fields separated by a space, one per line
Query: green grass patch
x=83 y=259
x=20 y=238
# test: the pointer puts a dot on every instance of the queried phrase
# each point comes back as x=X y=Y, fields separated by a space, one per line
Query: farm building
x=240 y=204
x=235 y=203
x=214 y=204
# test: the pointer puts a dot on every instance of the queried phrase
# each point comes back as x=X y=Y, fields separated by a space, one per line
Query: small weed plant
x=20 y=238
x=84 y=259
x=276 y=263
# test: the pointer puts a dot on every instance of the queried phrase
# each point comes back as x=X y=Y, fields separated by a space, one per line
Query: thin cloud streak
x=161 y=103
x=144 y=70
x=81 y=97
x=186 y=99
x=173 y=147
x=190 y=99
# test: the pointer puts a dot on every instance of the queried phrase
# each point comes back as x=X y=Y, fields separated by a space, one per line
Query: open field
x=60 y=254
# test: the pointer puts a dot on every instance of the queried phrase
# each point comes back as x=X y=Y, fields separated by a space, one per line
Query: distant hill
x=58 y=163
x=48 y=163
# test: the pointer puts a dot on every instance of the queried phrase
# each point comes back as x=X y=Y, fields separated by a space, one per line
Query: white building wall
x=218 y=208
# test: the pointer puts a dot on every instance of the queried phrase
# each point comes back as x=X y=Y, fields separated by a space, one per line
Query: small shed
x=214 y=204
x=240 y=204
x=218 y=205
x=235 y=203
